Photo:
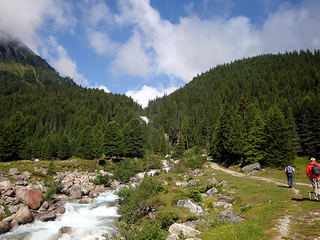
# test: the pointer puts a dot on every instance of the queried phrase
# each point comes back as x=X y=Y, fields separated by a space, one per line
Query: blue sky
x=147 y=48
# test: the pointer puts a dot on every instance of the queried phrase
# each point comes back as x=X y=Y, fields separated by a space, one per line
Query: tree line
x=44 y=115
x=265 y=108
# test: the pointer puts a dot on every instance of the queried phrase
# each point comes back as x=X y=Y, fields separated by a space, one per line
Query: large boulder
x=23 y=215
x=31 y=197
x=251 y=167
x=178 y=228
x=4 y=227
x=191 y=206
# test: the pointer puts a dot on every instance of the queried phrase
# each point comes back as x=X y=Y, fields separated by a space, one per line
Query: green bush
x=51 y=168
x=54 y=188
x=194 y=195
x=194 y=161
x=126 y=169
x=137 y=202
x=166 y=219
x=102 y=180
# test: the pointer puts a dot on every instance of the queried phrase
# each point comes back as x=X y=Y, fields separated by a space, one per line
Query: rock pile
x=24 y=200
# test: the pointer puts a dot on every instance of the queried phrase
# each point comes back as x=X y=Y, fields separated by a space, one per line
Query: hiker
x=289 y=170
x=313 y=171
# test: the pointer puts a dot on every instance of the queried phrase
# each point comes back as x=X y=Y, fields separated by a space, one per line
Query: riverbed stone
x=76 y=194
x=4 y=227
x=51 y=216
x=65 y=230
x=86 y=201
x=23 y=215
x=31 y=197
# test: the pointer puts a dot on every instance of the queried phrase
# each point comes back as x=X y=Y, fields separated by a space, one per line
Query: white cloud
x=194 y=45
x=102 y=44
x=61 y=61
x=101 y=87
x=21 y=19
x=131 y=58
x=147 y=93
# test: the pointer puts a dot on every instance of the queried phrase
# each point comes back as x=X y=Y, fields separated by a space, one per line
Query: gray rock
x=13 y=209
x=4 y=226
x=86 y=201
x=226 y=199
x=23 y=215
x=212 y=191
x=51 y=216
x=44 y=206
x=65 y=230
x=14 y=171
x=229 y=216
x=213 y=181
x=187 y=231
x=251 y=167
x=76 y=194
x=10 y=193
x=60 y=210
x=25 y=175
x=6 y=185
x=191 y=206
x=2 y=211
x=173 y=237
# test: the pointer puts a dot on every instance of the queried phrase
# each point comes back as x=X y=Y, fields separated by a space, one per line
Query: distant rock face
x=251 y=167
x=31 y=197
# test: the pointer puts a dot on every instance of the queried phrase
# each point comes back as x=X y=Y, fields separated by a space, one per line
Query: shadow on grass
x=304 y=199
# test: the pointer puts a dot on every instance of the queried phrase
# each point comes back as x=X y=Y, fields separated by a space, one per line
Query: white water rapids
x=88 y=221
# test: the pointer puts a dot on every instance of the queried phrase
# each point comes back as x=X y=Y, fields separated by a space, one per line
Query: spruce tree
x=63 y=148
x=85 y=147
x=113 y=140
x=254 y=149
x=134 y=138
x=278 y=140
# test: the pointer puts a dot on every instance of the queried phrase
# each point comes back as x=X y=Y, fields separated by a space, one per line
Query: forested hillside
x=265 y=108
x=44 y=115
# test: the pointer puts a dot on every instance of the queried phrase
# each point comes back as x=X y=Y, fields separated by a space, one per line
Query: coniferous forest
x=44 y=115
x=265 y=108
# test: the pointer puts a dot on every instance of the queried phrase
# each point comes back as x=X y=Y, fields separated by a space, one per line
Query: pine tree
x=134 y=138
x=254 y=149
x=64 y=148
x=278 y=140
x=85 y=147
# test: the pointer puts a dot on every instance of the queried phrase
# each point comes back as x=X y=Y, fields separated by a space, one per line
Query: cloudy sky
x=148 y=48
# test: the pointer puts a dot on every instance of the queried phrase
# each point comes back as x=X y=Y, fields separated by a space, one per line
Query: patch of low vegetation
x=54 y=188
x=104 y=180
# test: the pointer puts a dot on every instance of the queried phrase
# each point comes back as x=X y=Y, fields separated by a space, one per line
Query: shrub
x=102 y=180
x=126 y=169
x=54 y=188
x=51 y=168
x=194 y=195
x=137 y=202
x=166 y=219
x=194 y=161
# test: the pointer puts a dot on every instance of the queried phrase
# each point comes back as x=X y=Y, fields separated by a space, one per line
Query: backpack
x=289 y=169
x=315 y=169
